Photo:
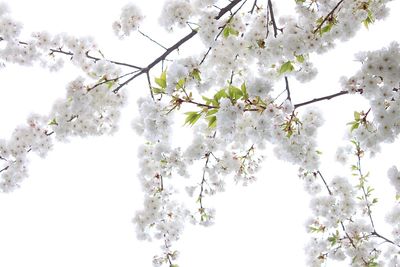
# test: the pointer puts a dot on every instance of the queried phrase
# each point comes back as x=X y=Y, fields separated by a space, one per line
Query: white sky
x=75 y=208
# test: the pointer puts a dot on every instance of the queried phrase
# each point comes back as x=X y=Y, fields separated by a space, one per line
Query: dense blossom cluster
x=233 y=89
x=13 y=152
x=378 y=82
x=175 y=12
x=394 y=177
x=86 y=113
x=131 y=17
x=81 y=113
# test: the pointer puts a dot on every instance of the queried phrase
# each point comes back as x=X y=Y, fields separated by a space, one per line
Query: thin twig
x=151 y=39
x=348 y=236
x=222 y=29
x=174 y=47
x=111 y=80
x=203 y=180
x=374 y=233
x=68 y=53
x=325 y=183
x=271 y=12
x=200 y=104
x=328 y=97
x=341 y=222
x=5 y=168
x=157 y=60
x=227 y=8
x=287 y=89
x=330 y=14
x=150 y=86
x=362 y=180
x=254 y=7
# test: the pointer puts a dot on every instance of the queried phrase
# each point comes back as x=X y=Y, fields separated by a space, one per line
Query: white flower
x=129 y=21
x=175 y=12
x=257 y=86
x=394 y=177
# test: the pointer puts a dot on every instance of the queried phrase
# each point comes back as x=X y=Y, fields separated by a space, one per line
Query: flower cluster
x=129 y=21
x=394 y=177
x=162 y=217
x=86 y=112
x=175 y=12
x=81 y=113
x=32 y=137
x=378 y=82
x=152 y=122
x=343 y=226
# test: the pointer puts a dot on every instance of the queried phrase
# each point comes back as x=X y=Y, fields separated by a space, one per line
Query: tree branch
x=68 y=53
x=220 y=32
x=341 y=222
x=5 y=168
x=328 y=97
x=271 y=12
x=330 y=14
x=175 y=47
x=374 y=233
x=254 y=7
x=110 y=80
x=157 y=60
x=151 y=39
x=287 y=89
x=325 y=183
x=203 y=180
x=227 y=8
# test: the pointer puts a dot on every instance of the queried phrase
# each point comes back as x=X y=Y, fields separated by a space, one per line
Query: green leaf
x=299 y=1
x=332 y=240
x=192 y=117
x=355 y=126
x=180 y=84
x=196 y=74
x=326 y=28
x=234 y=93
x=53 y=122
x=354 y=142
x=370 y=19
x=319 y=229
x=286 y=67
x=369 y=189
x=234 y=32
x=158 y=91
x=162 y=80
x=356 y=116
x=244 y=91
x=211 y=112
x=228 y=30
x=320 y=20
x=211 y=101
x=208 y=100
x=212 y=121
x=220 y=94
x=300 y=58
x=110 y=84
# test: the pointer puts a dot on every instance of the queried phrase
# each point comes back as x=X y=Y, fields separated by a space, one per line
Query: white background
x=75 y=209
